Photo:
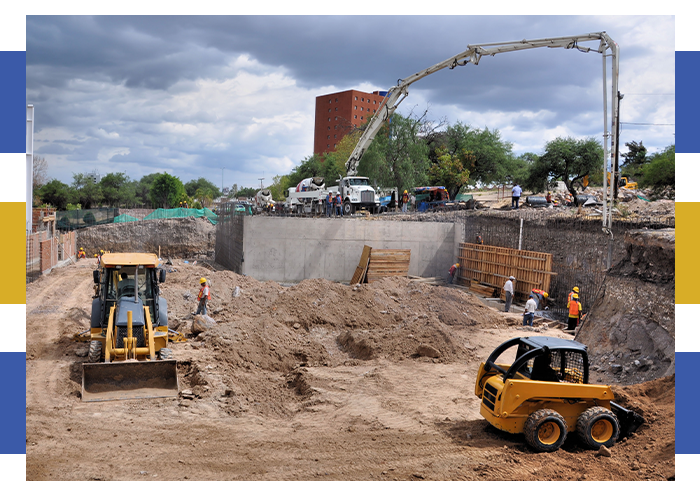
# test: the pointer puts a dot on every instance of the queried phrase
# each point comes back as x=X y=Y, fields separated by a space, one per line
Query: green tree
x=166 y=191
x=520 y=171
x=492 y=156
x=279 y=186
x=143 y=188
x=56 y=194
x=634 y=159
x=87 y=192
x=114 y=188
x=568 y=160
x=449 y=171
x=398 y=156
x=247 y=192
x=40 y=169
x=206 y=186
x=661 y=170
x=311 y=166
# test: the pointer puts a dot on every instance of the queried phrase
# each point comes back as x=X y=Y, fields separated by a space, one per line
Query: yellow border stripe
x=13 y=254
x=687 y=252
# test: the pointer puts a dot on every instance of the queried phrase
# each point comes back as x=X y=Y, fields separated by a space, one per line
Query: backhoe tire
x=166 y=353
x=95 y=352
x=598 y=426
x=545 y=430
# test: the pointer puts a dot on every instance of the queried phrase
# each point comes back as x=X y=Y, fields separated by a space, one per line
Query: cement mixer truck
x=263 y=200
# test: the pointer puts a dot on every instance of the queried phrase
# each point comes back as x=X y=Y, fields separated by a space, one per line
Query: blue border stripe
x=687 y=102
x=687 y=403
x=14 y=422
x=13 y=102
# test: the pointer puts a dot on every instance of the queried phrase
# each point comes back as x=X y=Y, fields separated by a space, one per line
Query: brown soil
x=318 y=381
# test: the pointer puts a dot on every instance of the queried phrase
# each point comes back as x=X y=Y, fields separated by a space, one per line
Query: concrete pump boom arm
x=473 y=54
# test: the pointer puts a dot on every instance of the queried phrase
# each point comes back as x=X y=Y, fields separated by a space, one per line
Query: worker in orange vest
x=574 y=312
x=540 y=297
x=203 y=297
x=573 y=291
x=81 y=254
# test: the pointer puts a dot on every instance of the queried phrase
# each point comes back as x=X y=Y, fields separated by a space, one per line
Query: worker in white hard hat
x=203 y=297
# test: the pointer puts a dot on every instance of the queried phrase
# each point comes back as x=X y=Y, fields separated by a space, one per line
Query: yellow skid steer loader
x=128 y=356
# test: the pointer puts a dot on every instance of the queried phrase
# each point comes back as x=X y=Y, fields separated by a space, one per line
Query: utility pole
x=222 y=181
x=616 y=152
x=261 y=179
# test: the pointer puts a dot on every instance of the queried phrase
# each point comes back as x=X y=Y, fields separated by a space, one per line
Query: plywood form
x=388 y=262
x=491 y=265
x=361 y=271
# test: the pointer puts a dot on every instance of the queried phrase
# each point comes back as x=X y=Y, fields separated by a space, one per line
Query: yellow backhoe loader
x=129 y=356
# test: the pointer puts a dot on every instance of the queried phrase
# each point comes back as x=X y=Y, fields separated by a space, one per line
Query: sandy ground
x=318 y=381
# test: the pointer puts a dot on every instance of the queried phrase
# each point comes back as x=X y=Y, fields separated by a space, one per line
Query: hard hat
x=545 y=295
x=95 y=255
x=203 y=280
x=405 y=191
x=457 y=264
x=81 y=248
x=575 y=289
x=574 y=296
x=511 y=277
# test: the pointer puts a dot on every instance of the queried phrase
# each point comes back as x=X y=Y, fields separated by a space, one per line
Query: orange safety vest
x=538 y=291
x=574 y=309
x=204 y=291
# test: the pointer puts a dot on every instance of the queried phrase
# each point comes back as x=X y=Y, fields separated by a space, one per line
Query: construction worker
x=540 y=297
x=81 y=253
x=479 y=240
x=203 y=297
x=339 y=204
x=515 y=198
x=574 y=312
x=508 y=287
x=329 y=203
x=529 y=313
x=451 y=272
x=404 y=201
x=548 y=197
x=98 y=260
x=573 y=291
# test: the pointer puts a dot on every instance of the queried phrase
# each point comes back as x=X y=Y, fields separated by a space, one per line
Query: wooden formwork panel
x=359 y=276
x=492 y=266
x=387 y=262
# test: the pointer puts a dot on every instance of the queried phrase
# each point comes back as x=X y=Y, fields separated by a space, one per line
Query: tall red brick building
x=339 y=113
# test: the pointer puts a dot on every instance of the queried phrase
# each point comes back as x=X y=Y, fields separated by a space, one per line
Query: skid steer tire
x=166 y=353
x=95 y=352
x=598 y=426
x=545 y=430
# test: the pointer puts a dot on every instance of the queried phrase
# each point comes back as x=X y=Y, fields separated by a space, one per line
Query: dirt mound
x=314 y=381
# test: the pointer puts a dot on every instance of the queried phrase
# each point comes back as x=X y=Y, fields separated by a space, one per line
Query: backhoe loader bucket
x=130 y=380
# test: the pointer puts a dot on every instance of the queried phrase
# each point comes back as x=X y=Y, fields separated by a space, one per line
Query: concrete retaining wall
x=292 y=250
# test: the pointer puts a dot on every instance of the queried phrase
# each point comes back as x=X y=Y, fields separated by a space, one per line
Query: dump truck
x=545 y=395
x=129 y=356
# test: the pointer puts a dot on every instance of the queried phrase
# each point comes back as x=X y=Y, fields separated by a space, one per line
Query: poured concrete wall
x=291 y=250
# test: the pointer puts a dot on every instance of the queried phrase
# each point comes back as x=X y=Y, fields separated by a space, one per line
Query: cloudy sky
x=234 y=97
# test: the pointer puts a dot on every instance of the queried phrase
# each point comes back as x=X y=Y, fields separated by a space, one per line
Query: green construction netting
x=179 y=213
x=69 y=220
x=125 y=218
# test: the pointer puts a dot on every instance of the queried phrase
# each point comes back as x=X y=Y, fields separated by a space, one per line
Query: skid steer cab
x=544 y=394
x=129 y=356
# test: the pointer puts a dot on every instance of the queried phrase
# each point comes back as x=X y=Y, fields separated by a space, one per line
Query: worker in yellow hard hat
x=574 y=290
x=404 y=201
x=451 y=273
x=81 y=253
x=203 y=297
x=540 y=297
x=575 y=310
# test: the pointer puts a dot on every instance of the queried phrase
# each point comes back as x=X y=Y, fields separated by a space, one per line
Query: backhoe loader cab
x=544 y=393
x=129 y=323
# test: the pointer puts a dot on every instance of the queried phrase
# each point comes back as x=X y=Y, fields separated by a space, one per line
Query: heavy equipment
x=129 y=356
x=473 y=55
x=545 y=395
